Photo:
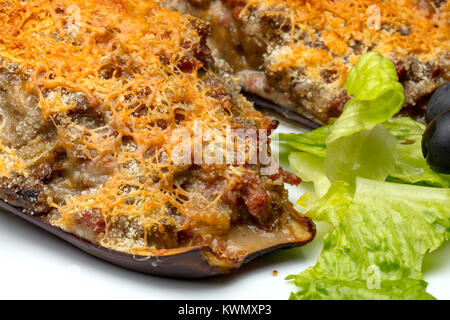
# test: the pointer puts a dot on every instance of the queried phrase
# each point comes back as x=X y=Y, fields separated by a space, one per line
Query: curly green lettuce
x=372 y=184
x=381 y=232
x=377 y=96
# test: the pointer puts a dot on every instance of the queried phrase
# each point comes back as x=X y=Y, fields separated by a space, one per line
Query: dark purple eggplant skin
x=190 y=264
x=285 y=113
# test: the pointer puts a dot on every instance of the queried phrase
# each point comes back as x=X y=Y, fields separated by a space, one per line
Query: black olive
x=436 y=143
x=439 y=102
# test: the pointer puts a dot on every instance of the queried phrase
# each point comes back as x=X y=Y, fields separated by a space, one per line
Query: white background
x=37 y=265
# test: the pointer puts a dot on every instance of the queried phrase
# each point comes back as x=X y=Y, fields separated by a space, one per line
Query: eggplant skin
x=286 y=114
x=190 y=263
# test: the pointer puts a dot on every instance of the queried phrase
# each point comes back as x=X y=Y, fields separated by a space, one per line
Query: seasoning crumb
x=275 y=273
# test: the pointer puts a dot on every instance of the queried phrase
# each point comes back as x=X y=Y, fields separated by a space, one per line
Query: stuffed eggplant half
x=107 y=113
x=297 y=53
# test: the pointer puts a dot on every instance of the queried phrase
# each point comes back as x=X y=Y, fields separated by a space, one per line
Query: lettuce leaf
x=331 y=289
x=356 y=145
x=369 y=154
x=377 y=96
x=381 y=233
x=411 y=166
x=393 y=154
x=313 y=142
x=405 y=129
x=387 y=207
x=312 y=169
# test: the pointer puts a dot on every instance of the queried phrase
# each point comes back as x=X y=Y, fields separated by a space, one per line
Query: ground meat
x=48 y=170
x=107 y=71
x=217 y=89
x=275 y=26
x=255 y=198
x=188 y=63
x=287 y=177
x=329 y=75
x=24 y=193
x=93 y=220
x=200 y=3
x=337 y=104
x=162 y=235
x=162 y=124
x=252 y=195
x=439 y=3
x=273 y=126
x=231 y=196
x=200 y=50
x=236 y=12
x=401 y=70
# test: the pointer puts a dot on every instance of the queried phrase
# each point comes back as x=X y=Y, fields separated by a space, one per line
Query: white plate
x=37 y=265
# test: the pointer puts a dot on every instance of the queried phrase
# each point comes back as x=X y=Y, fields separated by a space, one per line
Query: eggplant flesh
x=185 y=263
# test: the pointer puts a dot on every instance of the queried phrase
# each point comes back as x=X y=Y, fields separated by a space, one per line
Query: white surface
x=35 y=264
